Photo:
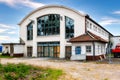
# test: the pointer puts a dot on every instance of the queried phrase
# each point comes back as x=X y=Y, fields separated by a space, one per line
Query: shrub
x=23 y=72
x=10 y=76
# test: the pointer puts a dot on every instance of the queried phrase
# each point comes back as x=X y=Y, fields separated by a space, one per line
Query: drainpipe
x=93 y=50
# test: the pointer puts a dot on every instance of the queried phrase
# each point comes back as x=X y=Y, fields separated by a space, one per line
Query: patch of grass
x=28 y=72
x=1 y=56
x=106 y=79
x=110 y=55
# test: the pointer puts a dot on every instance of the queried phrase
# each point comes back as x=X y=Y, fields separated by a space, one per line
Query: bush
x=23 y=72
x=10 y=76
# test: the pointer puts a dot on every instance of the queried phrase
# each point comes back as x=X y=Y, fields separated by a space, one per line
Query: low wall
x=18 y=55
x=96 y=57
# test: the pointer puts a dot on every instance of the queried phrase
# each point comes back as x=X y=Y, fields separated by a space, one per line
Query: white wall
x=83 y=48
x=79 y=25
x=101 y=49
x=99 y=31
x=18 y=49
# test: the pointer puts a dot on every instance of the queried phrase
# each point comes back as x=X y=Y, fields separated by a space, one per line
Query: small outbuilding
x=13 y=49
x=87 y=47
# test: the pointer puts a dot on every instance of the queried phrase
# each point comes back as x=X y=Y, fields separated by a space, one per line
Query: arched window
x=30 y=31
x=69 y=27
x=48 y=25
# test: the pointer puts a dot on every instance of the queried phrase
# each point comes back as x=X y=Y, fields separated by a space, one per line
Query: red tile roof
x=87 y=37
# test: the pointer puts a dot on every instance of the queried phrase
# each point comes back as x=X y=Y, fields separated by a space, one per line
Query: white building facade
x=48 y=30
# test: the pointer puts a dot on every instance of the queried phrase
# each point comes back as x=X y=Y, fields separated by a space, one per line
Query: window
x=30 y=31
x=90 y=25
x=98 y=49
x=77 y=50
x=48 y=49
x=88 y=49
x=96 y=28
x=99 y=30
x=48 y=25
x=101 y=49
x=69 y=27
x=102 y=32
x=87 y=24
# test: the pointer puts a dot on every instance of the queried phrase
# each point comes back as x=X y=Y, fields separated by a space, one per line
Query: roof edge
x=48 y=6
x=98 y=24
x=13 y=43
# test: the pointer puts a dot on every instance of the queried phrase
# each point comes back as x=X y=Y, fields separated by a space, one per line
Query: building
x=59 y=31
x=13 y=49
x=115 y=40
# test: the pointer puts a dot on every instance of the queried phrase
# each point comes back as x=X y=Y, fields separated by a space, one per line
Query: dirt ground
x=74 y=70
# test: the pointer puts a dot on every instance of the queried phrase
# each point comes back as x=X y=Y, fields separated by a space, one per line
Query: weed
x=23 y=72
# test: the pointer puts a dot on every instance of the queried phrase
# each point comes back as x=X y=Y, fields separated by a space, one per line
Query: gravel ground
x=74 y=70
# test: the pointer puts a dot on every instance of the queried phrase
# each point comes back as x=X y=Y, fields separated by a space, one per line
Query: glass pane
x=69 y=26
x=46 y=25
x=46 y=51
x=30 y=31
x=51 y=51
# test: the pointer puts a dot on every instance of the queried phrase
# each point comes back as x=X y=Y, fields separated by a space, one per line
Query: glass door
x=58 y=51
x=46 y=52
x=40 y=51
x=51 y=51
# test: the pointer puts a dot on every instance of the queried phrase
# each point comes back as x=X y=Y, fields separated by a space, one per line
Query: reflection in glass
x=48 y=25
x=69 y=27
x=30 y=31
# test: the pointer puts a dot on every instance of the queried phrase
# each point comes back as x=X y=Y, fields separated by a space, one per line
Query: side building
x=59 y=31
x=115 y=41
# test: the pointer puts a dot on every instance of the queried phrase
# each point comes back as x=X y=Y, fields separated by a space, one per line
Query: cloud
x=116 y=12
x=27 y=3
x=6 y=26
x=8 y=39
x=8 y=2
x=12 y=32
x=82 y=12
x=3 y=30
x=108 y=21
x=4 y=38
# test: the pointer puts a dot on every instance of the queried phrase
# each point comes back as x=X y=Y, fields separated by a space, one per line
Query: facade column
x=73 y=50
x=34 y=38
x=25 y=51
x=62 y=36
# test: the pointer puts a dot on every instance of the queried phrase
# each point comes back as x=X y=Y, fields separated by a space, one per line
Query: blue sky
x=105 y=12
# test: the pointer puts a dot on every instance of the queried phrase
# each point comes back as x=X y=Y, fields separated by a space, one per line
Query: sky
x=104 y=12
